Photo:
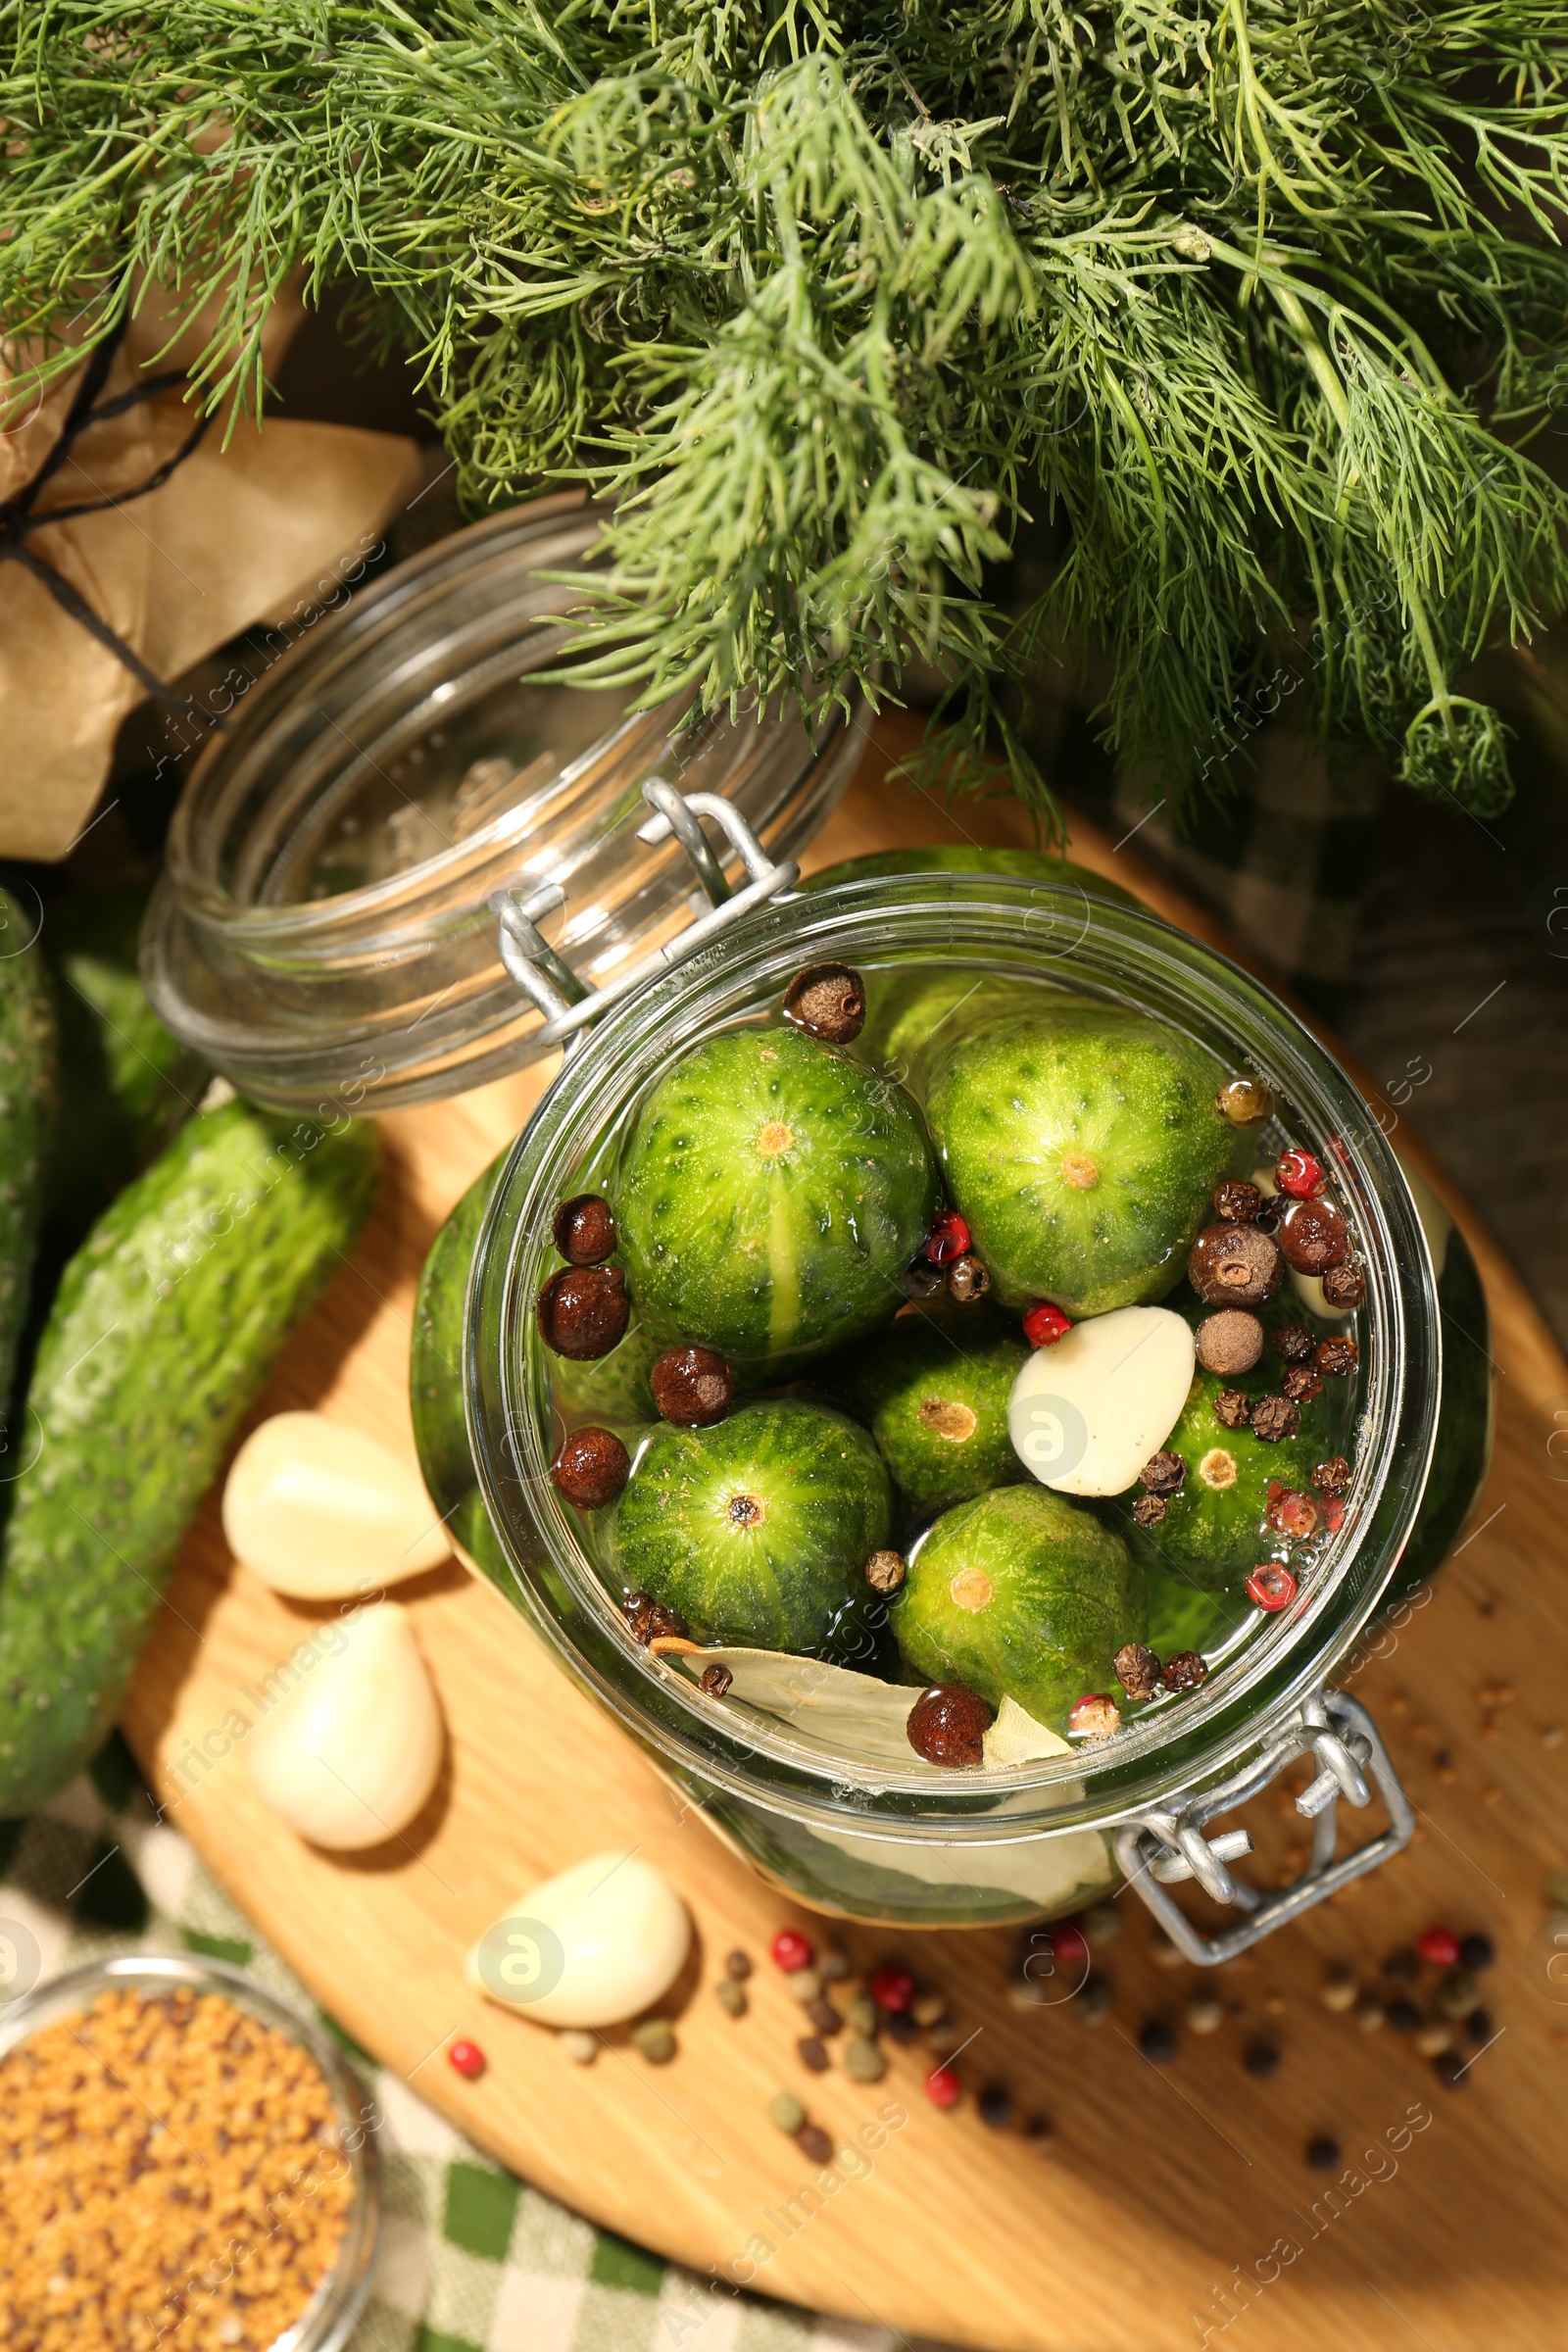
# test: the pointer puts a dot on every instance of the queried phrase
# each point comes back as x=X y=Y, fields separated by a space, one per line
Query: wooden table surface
x=1122 y=2232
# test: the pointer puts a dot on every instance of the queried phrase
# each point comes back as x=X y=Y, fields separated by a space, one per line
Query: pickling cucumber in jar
x=770 y=1196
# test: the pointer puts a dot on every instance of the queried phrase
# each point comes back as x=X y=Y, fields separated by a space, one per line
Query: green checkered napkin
x=471 y=2260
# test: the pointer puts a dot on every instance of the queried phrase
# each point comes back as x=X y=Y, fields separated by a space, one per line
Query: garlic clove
x=351 y=1750
x=322 y=1511
x=592 y=1946
x=1086 y=1414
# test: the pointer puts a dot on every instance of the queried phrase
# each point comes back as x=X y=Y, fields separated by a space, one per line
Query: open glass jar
x=304 y=935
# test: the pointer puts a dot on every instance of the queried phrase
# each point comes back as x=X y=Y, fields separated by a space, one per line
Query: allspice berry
x=692 y=1386
x=584 y=1230
x=885 y=1571
x=1136 y=1669
x=1234 y=1265
x=583 y=1311
x=1313 y=1235
x=948 y=1725
x=1344 y=1286
x=590 y=1469
x=1229 y=1342
x=1245 y=1102
x=827 y=1001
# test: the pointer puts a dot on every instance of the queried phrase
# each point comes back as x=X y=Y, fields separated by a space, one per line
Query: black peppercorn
x=1260 y=2058
x=583 y=1311
x=812 y=2054
x=1158 y=2040
x=828 y=1001
x=1163 y=1473
x=968 y=1279
x=1450 y=2068
x=738 y=1965
x=1333 y=1476
x=1404 y=2016
x=714 y=1680
x=1323 y=2153
x=885 y=1571
x=1274 y=1418
x=947 y=1723
x=1232 y=1409
x=1150 y=1510
x=1136 y=1669
x=1302 y=1383
x=584 y=1230
x=921 y=1280
x=1478 y=2025
x=1185 y=1671
x=1338 y=1357
x=692 y=1386
x=900 y=2027
x=823 y=2016
x=1294 y=1342
x=1344 y=1286
x=590 y=1469
x=651 y=1621
x=1476 y=1951
x=814 y=2143
x=996 y=2106
x=1236 y=1202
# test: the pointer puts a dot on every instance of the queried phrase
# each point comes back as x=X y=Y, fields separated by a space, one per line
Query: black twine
x=17 y=519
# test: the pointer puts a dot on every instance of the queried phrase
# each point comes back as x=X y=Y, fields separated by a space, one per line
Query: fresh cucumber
x=127 y=1085
x=29 y=1095
x=167 y=1323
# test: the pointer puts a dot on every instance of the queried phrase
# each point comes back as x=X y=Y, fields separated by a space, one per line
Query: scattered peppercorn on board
x=1174 y=2197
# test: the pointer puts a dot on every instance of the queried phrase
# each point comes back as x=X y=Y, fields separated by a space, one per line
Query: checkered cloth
x=470 y=2259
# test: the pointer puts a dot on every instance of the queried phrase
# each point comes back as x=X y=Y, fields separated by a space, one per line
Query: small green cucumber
x=165 y=1325
x=28 y=1094
x=934 y=1389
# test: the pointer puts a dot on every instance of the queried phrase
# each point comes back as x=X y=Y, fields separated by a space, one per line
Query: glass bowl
x=332 y=2314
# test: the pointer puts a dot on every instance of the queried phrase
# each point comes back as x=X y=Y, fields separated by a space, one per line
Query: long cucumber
x=28 y=1092
x=165 y=1327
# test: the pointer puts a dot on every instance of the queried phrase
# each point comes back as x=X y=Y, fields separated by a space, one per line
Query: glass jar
x=332 y=2314
x=288 y=990
x=327 y=922
x=917 y=1844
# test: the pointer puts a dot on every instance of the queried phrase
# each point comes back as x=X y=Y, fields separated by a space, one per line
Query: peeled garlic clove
x=351 y=1751
x=1086 y=1414
x=591 y=1947
x=321 y=1511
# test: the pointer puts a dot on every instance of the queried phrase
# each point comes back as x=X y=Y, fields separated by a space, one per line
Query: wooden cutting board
x=1158 y=2183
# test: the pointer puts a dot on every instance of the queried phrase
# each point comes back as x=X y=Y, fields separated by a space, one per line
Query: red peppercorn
x=468 y=2059
x=1439 y=1948
x=1069 y=1946
x=892 y=1990
x=1294 y=1513
x=1044 y=1325
x=1271 y=1587
x=943 y=2088
x=791 y=1950
x=949 y=1238
x=1299 y=1174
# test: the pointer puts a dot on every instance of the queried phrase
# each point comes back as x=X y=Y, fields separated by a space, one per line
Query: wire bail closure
x=569 y=1008
x=1162 y=1847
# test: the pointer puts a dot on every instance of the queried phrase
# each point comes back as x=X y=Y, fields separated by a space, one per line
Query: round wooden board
x=1119 y=2235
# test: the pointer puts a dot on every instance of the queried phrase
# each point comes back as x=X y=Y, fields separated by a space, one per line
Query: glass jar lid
x=327 y=926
